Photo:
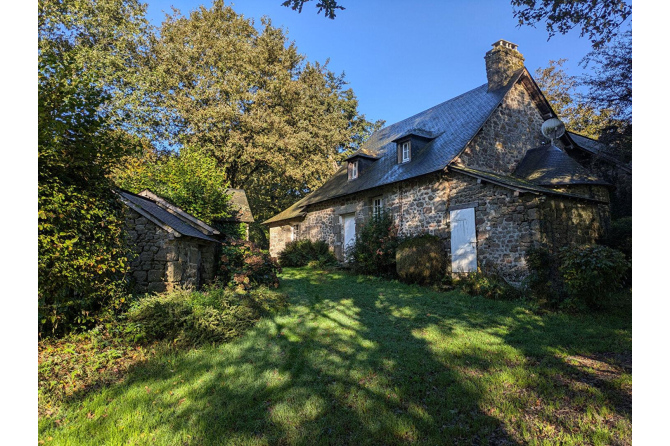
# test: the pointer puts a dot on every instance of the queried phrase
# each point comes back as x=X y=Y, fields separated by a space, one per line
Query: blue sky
x=402 y=56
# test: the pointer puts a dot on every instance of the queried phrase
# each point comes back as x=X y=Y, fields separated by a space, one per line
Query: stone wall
x=418 y=206
x=567 y=221
x=513 y=128
x=507 y=223
x=163 y=261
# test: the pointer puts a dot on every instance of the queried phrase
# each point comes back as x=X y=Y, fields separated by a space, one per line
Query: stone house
x=475 y=170
x=172 y=247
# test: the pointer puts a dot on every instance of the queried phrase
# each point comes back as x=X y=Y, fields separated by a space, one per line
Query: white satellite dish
x=553 y=129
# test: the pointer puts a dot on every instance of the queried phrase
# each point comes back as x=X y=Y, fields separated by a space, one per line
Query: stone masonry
x=163 y=261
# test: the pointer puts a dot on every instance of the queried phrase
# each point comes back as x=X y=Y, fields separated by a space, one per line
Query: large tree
x=600 y=20
x=275 y=124
x=189 y=178
x=85 y=52
x=562 y=92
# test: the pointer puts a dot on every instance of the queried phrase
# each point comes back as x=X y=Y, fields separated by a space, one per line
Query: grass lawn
x=359 y=360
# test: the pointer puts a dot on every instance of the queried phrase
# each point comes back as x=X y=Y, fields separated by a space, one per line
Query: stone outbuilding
x=172 y=247
x=476 y=171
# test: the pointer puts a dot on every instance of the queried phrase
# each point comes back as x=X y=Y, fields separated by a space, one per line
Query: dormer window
x=404 y=151
x=353 y=170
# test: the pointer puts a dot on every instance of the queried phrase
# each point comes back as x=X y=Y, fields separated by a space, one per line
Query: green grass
x=359 y=360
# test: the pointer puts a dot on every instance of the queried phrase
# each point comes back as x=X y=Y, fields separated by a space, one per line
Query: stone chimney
x=501 y=63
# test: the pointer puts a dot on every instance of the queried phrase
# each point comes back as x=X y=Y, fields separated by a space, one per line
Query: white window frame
x=377 y=209
x=406 y=151
x=354 y=170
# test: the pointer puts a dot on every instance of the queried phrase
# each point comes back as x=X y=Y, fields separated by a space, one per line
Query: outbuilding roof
x=240 y=207
x=167 y=216
x=550 y=166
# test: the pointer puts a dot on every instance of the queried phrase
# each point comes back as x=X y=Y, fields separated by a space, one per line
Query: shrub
x=489 y=285
x=375 y=247
x=578 y=277
x=591 y=274
x=194 y=318
x=245 y=266
x=620 y=236
x=82 y=257
x=420 y=260
x=304 y=252
x=544 y=282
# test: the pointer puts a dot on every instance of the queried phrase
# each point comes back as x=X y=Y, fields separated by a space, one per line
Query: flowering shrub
x=245 y=266
x=374 y=251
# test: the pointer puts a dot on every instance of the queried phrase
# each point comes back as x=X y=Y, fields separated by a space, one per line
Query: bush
x=194 y=318
x=82 y=257
x=544 y=282
x=304 y=252
x=375 y=248
x=489 y=285
x=245 y=266
x=620 y=236
x=420 y=260
x=591 y=274
x=578 y=277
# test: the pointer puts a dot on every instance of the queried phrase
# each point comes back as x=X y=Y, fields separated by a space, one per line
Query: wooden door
x=463 y=241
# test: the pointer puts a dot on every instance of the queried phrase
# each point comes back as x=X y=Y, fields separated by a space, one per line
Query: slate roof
x=515 y=183
x=550 y=166
x=166 y=218
x=452 y=124
x=240 y=205
x=596 y=148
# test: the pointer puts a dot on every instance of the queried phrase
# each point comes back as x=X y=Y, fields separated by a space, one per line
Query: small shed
x=172 y=247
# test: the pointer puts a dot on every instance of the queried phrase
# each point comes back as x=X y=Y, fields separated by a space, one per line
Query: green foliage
x=232 y=229
x=591 y=274
x=600 y=20
x=242 y=92
x=579 y=115
x=327 y=6
x=487 y=284
x=620 y=236
x=245 y=266
x=544 y=282
x=374 y=251
x=579 y=278
x=83 y=52
x=304 y=252
x=79 y=362
x=190 y=179
x=194 y=318
x=420 y=260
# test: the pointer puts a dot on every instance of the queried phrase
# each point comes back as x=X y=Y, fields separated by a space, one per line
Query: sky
x=401 y=57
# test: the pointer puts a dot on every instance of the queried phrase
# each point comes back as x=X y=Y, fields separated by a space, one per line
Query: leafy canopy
x=598 y=19
x=276 y=125
x=83 y=53
x=190 y=179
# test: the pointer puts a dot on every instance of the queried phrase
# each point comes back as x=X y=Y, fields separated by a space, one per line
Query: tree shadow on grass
x=355 y=361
